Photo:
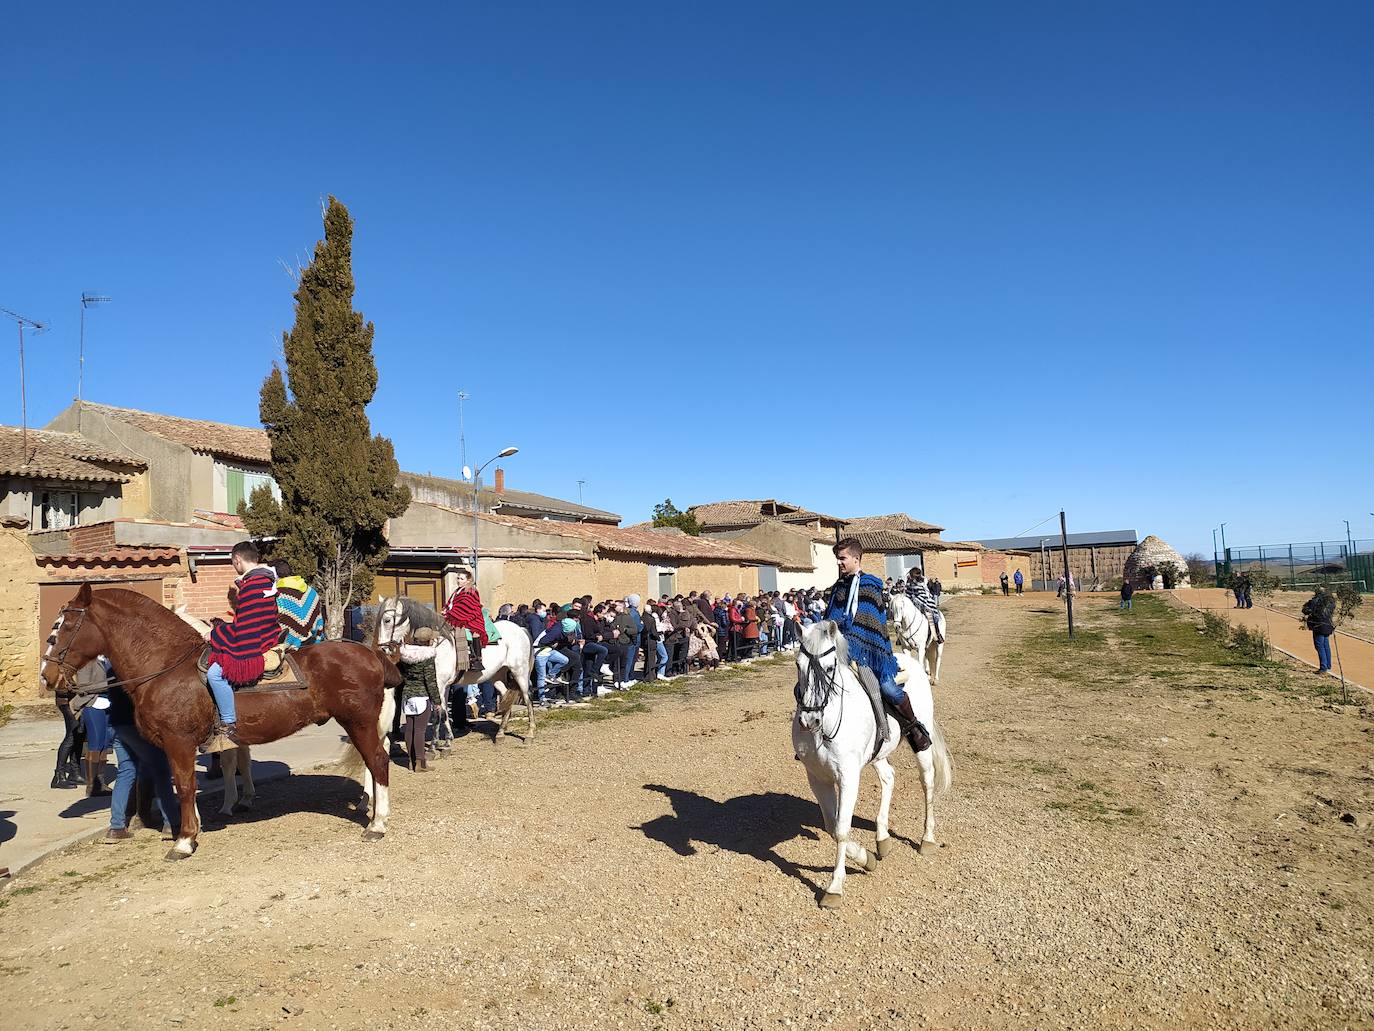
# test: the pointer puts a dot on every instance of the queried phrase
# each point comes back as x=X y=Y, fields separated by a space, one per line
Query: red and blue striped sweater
x=238 y=647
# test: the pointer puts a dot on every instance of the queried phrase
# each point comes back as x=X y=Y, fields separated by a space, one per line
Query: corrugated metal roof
x=1099 y=537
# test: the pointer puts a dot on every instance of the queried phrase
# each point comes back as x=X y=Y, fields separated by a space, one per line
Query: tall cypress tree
x=338 y=481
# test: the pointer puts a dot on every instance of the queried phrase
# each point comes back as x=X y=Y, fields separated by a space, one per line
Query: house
x=798 y=540
x=58 y=480
x=499 y=500
x=192 y=464
x=729 y=519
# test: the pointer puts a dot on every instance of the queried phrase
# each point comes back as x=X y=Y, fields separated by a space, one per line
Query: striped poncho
x=300 y=612
x=866 y=632
x=239 y=646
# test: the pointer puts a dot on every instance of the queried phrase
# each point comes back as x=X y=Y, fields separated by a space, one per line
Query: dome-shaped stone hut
x=1143 y=567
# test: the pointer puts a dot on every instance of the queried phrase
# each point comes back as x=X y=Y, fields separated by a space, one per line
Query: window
x=55 y=509
x=240 y=483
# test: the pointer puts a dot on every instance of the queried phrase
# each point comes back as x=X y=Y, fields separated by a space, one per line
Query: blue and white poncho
x=863 y=621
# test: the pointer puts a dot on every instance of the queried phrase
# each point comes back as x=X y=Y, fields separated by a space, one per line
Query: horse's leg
x=181 y=755
x=228 y=767
x=844 y=847
x=824 y=790
x=246 y=770
x=367 y=739
x=926 y=760
x=886 y=778
x=939 y=654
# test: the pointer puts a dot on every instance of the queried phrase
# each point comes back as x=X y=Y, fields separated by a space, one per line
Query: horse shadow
x=327 y=794
x=85 y=806
x=750 y=825
x=7 y=826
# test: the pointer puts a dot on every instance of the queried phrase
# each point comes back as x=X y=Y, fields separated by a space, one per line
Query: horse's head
x=392 y=624
x=74 y=641
x=823 y=654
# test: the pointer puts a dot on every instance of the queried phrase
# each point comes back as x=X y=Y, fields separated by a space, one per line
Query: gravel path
x=1140 y=853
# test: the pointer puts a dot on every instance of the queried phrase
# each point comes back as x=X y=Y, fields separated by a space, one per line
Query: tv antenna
x=37 y=327
x=87 y=301
x=463 y=395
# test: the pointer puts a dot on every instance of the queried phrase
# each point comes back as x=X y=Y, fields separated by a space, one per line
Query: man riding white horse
x=919 y=593
x=858 y=608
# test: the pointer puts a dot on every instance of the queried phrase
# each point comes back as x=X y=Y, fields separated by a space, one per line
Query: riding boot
x=915 y=731
x=63 y=776
x=94 y=761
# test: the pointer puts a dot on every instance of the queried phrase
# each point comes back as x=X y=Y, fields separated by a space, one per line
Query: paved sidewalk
x=1286 y=633
x=36 y=820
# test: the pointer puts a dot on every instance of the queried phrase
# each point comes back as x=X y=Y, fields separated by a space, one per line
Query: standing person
x=936 y=589
x=1126 y=591
x=237 y=647
x=594 y=650
x=633 y=645
x=1006 y=588
x=1059 y=591
x=1248 y=594
x=626 y=634
x=749 y=628
x=651 y=640
x=464 y=612
x=1319 y=613
x=137 y=758
x=720 y=615
x=859 y=609
x=1019 y=580
x=95 y=718
x=419 y=691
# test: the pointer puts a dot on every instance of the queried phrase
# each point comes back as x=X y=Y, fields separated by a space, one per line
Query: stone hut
x=1147 y=557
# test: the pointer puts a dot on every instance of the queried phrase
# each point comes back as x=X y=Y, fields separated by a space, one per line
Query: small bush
x=1250 y=643
x=1216 y=627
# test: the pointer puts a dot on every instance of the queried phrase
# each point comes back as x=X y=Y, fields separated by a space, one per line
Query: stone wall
x=520 y=580
x=19 y=640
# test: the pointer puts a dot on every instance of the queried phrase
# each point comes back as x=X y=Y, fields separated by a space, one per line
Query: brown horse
x=154 y=655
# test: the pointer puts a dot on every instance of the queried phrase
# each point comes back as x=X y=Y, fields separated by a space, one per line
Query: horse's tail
x=944 y=767
x=351 y=759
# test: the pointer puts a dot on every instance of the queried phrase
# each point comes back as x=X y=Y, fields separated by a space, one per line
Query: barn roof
x=63 y=456
x=1076 y=540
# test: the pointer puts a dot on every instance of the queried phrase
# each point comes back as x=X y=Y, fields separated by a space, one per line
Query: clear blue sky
x=849 y=256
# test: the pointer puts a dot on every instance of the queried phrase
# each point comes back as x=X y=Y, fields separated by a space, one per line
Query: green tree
x=667 y=514
x=338 y=481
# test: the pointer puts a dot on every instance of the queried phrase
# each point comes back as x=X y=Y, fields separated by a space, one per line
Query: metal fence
x=1304 y=565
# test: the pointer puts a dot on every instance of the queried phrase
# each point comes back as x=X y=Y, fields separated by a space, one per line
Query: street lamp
x=476 y=478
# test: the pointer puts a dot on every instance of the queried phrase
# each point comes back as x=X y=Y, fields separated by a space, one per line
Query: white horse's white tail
x=944 y=766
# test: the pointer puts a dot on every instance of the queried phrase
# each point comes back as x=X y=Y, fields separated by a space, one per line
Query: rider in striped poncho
x=859 y=610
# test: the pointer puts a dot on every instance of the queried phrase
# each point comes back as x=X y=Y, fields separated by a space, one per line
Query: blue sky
x=861 y=258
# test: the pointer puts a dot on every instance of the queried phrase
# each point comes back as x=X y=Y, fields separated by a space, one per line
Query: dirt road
x=1138 y=836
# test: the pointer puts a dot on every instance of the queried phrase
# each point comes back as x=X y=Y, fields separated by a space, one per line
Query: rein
x=69 y=673
x=824 y=683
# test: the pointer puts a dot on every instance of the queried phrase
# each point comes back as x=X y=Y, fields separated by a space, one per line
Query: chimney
x=500 y=480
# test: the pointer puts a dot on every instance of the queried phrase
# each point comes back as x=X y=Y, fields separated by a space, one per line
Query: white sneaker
x=602 y=692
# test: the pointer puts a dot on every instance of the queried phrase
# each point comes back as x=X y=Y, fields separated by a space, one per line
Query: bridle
x=823 y=683
x=68 y=672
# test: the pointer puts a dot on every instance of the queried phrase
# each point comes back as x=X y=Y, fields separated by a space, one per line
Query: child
x=418 y=693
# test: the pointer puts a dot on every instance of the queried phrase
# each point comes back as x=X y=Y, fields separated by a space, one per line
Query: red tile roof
x=113 y=557
x=63 y=456
x=896 y=521
x=750 y=513
x=246 y=443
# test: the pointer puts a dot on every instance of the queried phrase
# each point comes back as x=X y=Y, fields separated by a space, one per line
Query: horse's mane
x=814 y=636
x=146 y=610
x=419 y=614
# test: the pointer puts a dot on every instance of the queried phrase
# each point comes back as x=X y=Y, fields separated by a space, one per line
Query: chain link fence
x=1304 y=565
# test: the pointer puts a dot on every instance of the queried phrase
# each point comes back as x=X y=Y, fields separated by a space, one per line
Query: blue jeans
x=486 y=698
x=1323 y=643
x=892 y=692
x=593 y=658
x=662 y=658
x=631 y=657
x=547 y=663
x=135 y=756
x=1126 y=604
x=223 y=692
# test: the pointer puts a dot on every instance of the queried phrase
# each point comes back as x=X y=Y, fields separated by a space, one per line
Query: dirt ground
x=1137 y=837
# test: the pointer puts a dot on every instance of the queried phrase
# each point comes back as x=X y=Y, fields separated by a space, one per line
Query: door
x=51 y=597
x=666 y=579
x=768 y=578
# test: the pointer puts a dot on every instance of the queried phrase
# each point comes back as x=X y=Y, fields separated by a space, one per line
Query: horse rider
x=298 y=608
x=464 y=612
x=237 y=647
x=859 y=609
x=921 y=597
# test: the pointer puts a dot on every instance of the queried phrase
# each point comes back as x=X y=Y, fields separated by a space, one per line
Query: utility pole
x=87 y=300
x=1068 y=576
x=1216 y=565
x=580 y=485
x=37 y=327
x=463 y=396
x=1349 y=543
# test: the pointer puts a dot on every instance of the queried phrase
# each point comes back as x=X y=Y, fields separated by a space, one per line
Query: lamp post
x=1216 y=566
x=476 y=487
x=1349 y=543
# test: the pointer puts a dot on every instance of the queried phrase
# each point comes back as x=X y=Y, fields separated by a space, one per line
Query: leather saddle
x=280 y=672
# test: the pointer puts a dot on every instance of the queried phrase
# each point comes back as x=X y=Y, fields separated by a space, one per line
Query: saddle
x=280 y=672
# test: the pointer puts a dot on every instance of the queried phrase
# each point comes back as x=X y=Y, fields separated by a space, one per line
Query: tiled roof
x=614 y=540
x=218 y=520
x=113 y=557
x=890 y=541
x=62 y=456
x=895 y=521
x=513 y=499
x=217 y=438
x=751 y=513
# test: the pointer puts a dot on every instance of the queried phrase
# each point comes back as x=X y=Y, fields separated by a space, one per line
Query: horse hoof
x=831 y=900
x=173 y=855
x=884 y=847
x=927 y=848
x=373 y=835
x=870 y=862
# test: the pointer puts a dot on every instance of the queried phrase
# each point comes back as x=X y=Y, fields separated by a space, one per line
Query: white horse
x=232 y=760
x=506 y=664
x=914 y=633
x=833 y=734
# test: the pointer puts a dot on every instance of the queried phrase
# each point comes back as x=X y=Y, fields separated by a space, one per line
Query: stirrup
x=218 y=741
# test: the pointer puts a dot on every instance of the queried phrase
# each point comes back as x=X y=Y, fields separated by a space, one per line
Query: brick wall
x=207 y=595
x=20 y=645
x=96 y=537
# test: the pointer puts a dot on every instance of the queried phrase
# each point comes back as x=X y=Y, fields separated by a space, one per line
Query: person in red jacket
x=237 y=647
x=464 y=611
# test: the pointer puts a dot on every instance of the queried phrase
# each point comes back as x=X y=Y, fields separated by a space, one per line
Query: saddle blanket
x=280 y=673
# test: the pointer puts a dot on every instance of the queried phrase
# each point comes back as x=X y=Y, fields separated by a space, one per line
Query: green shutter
x=234 y=483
